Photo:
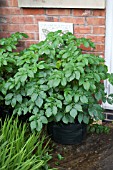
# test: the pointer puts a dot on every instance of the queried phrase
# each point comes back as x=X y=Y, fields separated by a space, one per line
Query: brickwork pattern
x=87 y=23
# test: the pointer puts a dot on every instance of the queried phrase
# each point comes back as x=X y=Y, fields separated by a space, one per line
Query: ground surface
x=94 y=153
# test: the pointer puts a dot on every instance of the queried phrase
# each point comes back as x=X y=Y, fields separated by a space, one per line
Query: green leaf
x=63 y=81
x=39 y=127
x=13 y=102
x=25 y=110
x=73 y=112
x=19 y=98
x=86 y=85
x=98 y=95
x=4 y=62
x=65 y=55
x=24 y=35
x=80 y=117
x=65 y=119
x=97 y=77
x=48 y=112
x=59 y=104
x=30 y=73
x=34 y=96
x=76 y=98
x=9 y=96
x=86 y=119
x=30 y=91
x=47 y=51
x=90 y=111
x=77 y=75
x=68 y=98
x=78 y=107
x=54 y=110
x=72 y=77
x=56 y=82
x=68 y=108
x=41 y=81
x=42 y=94
x=33 y=125
x=9 y=48
x=86 y=44
x=23 y=78
x=83 y=99
x=68 y=73
x=39 y=102
x=44 y=119
x=60 y=157
x=41 y=66
x=7 y=102
x=35 y=110
x=32 y=118
x=58 y=117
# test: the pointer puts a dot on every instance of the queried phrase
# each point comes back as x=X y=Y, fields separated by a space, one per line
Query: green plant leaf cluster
x=56 y=81
x=96 y=128
x=8 y=59
x=19 y=149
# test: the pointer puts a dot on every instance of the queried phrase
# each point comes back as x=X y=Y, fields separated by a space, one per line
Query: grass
x=21 y=150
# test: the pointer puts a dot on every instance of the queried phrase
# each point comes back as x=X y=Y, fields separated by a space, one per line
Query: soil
x=94 y=153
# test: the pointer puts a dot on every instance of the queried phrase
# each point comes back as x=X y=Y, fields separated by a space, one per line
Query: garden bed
x=96 y=152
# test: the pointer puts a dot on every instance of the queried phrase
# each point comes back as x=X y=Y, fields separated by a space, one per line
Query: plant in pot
x=59 y=86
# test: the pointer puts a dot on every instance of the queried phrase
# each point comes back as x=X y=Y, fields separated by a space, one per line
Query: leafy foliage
x=21 y=150
x=96 y=128
x=8 y=59
x=55 y=81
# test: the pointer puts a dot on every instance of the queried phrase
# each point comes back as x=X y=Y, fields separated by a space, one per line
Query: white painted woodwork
x=109 y=47
x=95 y=4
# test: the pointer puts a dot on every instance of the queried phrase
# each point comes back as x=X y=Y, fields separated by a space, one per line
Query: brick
x=52 y=19
x=82 y=29
x=13 y=28
x=100 y=47
x=34 y=11
x=39 y=18
x=0 y=28
x=4 y=34
x=4 y=3
x=79 y=21
x=81 y=12
x=5 y=27
x=5 y=11
x=58 y=12
x=84 y=48
x=99 y=12
x=96 y=39
x=5 y=19
x=28 y=43
x=98 y=30
x=14 y=3
x=15 y=11
x=10 y=11
x=78 y=35
x=95 y=21
x=22 y=19
x=31 y=36
x=31 y=28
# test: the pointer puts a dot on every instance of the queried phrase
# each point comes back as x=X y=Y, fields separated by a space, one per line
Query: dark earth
x=94 y=153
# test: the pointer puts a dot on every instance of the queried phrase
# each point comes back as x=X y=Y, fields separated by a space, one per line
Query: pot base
x=67 y=134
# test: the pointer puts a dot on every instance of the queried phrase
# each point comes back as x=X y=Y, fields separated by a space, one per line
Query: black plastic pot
x=67 y=134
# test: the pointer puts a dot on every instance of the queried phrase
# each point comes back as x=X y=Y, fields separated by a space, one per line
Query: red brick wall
x=87 y=23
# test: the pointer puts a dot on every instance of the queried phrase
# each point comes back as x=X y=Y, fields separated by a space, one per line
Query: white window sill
x=89 y=4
